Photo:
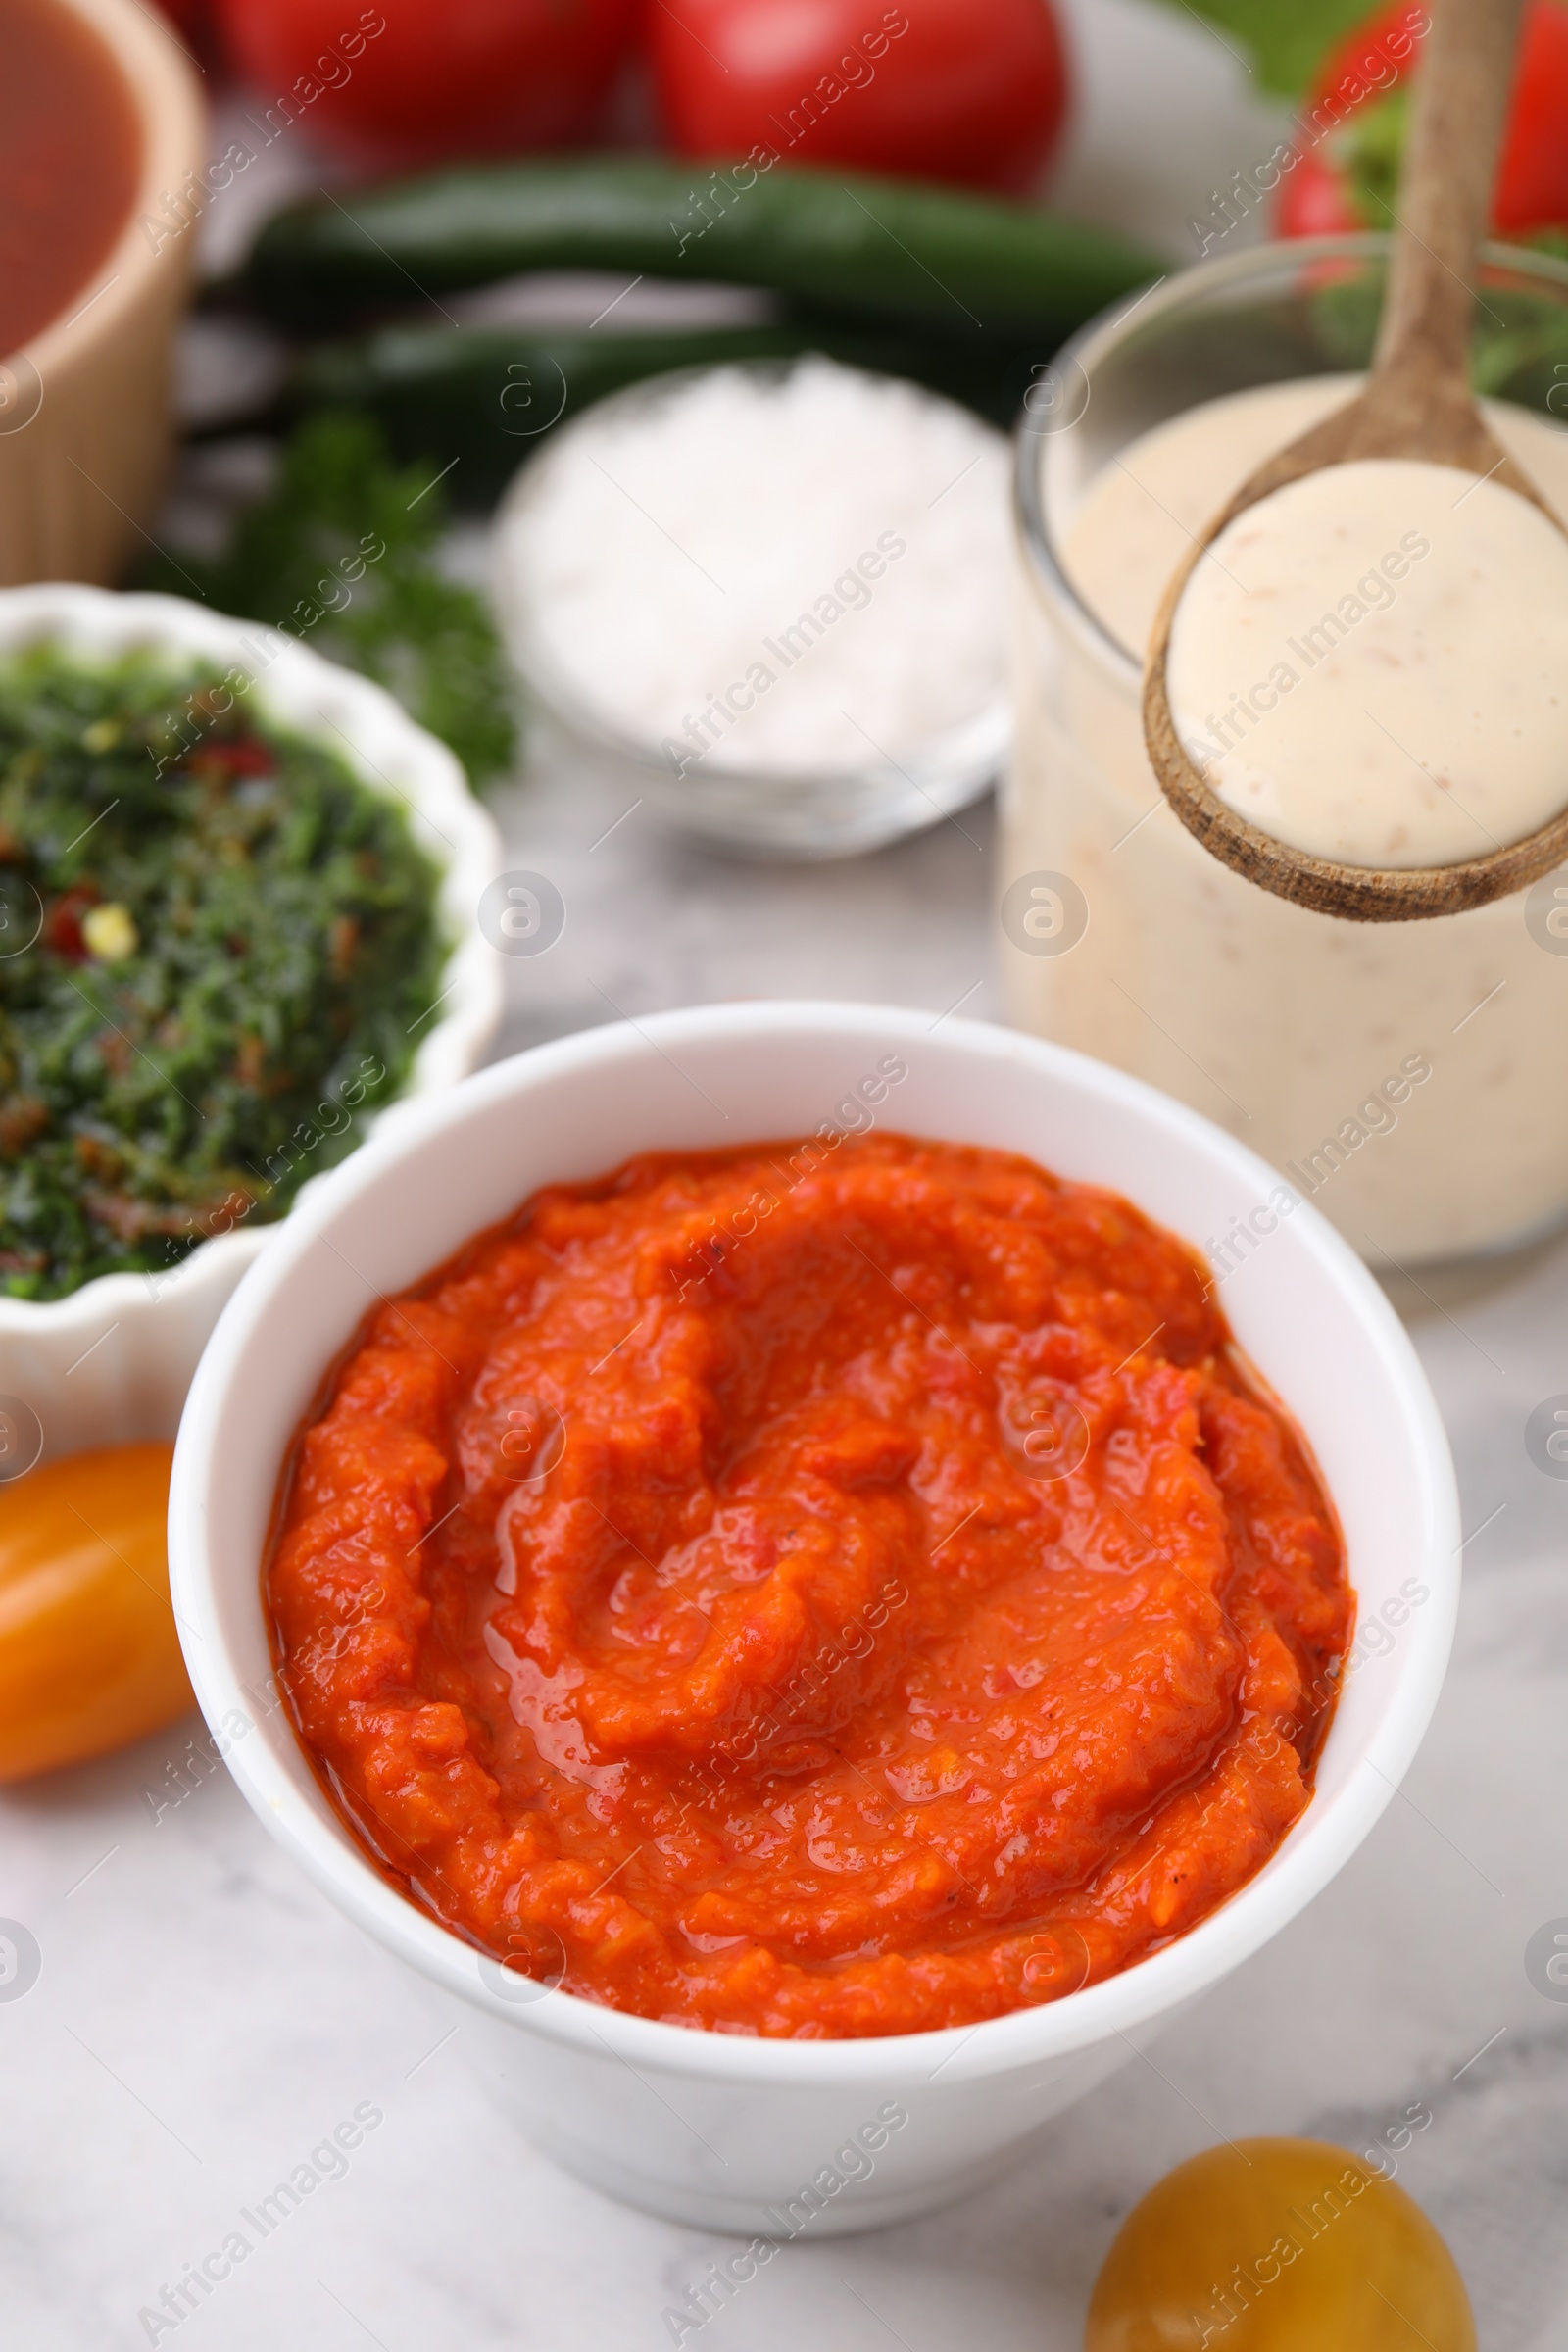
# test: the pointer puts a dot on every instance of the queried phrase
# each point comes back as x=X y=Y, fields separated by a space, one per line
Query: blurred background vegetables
x=935 y=89
x=1284 y=41
x=958 y=264
x=965 y=294
x=1332 y=55
x=1349 y=180
x=480 y=398
x=938 y=90
x=423 y=80
x=399 y=620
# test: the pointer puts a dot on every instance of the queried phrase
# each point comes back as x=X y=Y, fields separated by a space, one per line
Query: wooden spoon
x=1416 y=403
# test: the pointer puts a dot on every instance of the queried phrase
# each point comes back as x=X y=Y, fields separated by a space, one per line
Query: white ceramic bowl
x=808 y=813
x=710 y=2128
x=111 y=1362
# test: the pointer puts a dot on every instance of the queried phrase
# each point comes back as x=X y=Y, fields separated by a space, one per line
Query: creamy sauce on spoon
x=1372 y=664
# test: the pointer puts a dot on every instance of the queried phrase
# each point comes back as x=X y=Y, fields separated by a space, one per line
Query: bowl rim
x=1312 y=1854
x=437 y=798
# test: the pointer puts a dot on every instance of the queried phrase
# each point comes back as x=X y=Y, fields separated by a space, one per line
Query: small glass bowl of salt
x=773 y=595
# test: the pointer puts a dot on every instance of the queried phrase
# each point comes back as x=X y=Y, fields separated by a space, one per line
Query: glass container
x=1408 y=1078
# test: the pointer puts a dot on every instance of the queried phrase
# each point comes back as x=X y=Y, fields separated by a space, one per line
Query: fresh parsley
x=341 y=552
x=217 y=942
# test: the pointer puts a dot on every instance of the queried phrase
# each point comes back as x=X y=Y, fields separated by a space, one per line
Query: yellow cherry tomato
x=1278 y=2245
x=88 y=1653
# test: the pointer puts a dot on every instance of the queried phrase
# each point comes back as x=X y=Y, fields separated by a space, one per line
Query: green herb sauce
x=217 y=949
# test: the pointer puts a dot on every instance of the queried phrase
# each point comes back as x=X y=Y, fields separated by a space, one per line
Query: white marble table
x=203 y=2020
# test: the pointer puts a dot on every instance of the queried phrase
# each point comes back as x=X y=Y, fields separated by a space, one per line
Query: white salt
x=775 y=572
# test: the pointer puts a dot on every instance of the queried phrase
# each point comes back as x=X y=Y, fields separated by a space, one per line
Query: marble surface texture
x=203 y=2020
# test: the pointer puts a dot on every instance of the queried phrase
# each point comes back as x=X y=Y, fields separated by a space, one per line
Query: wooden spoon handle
x=1459 y=106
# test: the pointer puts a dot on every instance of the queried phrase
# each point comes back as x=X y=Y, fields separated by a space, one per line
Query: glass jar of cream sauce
x=1410 y=1079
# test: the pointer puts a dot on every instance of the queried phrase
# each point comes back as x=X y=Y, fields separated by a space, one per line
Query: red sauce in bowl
x=811 y=1591
x=70 y=161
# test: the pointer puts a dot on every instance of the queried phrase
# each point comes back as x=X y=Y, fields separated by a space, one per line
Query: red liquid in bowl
x=70 y=161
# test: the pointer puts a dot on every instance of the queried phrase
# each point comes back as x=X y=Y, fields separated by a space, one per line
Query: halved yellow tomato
x=89 y=1658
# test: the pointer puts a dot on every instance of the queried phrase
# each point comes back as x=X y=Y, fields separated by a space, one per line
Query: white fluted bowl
x=112 y=1363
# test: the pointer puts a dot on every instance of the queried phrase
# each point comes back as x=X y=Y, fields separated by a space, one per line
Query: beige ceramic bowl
x=85 y=416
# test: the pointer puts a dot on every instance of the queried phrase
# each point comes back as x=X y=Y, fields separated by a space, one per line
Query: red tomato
x=1315 y=200
x=416 y=81
x=1319 y=194
x=965 y=90
x=1533 y=181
